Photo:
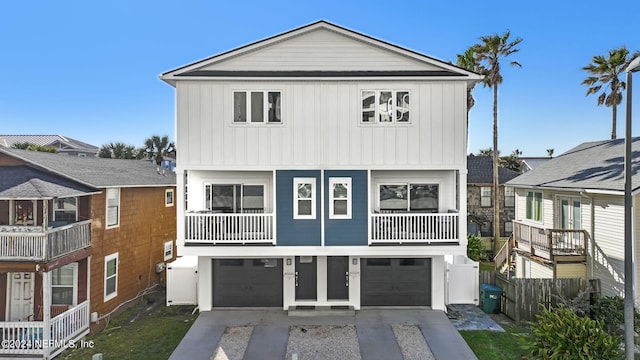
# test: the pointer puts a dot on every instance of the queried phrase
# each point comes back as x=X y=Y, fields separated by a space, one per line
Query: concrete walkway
x=271 y=333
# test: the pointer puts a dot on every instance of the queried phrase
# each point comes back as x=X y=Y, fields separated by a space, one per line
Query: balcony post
x=46 y=311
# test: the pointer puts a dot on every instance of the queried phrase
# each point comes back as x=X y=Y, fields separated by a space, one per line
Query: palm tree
x=489 y=52
x=468 y=61
x=156 y=148
x=605 y=73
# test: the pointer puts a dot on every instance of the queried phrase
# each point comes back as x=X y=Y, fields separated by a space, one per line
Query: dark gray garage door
x=395 y=282
x=247 y=282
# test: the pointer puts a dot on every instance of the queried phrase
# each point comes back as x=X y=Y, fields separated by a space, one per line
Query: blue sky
x=89 y=69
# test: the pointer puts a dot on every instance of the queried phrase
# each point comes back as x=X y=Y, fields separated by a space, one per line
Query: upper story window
x=409 y=198
x=234 y=198
x=485 y=196
x=509 y=196
x=113 y=208
x=65 y=209
x=385 y=106
x=257 y=107
x=168 y=197
x=304 y=198
x=534 y=205
x=340 y=198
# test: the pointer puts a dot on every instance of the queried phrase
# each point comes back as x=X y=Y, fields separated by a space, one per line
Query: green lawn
x=489 y=345
x=148 y=330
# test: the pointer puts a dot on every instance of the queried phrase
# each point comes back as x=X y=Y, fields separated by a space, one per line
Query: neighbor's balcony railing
x=28 y=338
x=414 y=228
x=35 y=243
x=548 y=243
x=217 y=228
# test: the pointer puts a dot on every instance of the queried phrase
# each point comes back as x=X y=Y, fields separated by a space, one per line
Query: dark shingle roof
x=24 y=182
x=480 y=171
x=97 y=172
x=597 y=165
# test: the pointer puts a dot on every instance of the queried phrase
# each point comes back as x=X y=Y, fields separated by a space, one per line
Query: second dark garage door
x=247 y=282
x=395 y=282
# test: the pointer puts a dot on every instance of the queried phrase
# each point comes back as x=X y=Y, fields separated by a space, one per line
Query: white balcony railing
x=213 y=228
x=414 y=228
x=35 y=243
x=28 y=338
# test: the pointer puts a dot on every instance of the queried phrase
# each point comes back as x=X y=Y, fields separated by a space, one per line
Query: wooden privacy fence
x=522 y=299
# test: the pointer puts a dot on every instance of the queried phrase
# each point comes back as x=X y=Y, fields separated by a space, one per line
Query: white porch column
x=462 y=211
x=46 y=310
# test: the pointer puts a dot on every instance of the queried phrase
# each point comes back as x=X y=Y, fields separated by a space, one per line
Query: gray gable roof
x=58 y=141
x=480 y=171
x=597 y=165
x=24 y=182
x=97 y=172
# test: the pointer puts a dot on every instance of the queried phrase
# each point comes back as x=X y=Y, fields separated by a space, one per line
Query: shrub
x=475 y=249
x=610 y=309
x=562 y=334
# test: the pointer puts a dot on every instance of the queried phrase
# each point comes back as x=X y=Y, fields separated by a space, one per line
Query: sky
x=89 y=69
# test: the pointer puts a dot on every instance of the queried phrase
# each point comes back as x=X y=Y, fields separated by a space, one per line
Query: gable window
x=534 y=205
x=168 y=197
x=385 y=106
x=485 y=196
x=304 y=198
x=110 y=276
x=234 y=198
x=64 y=285
x=257 y=107
x=509 y=196
x=408 y=198
x=65 y=209
x=113 y=208
x=339 y=198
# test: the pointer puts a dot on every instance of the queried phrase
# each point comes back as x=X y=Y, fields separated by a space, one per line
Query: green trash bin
x=490 y=298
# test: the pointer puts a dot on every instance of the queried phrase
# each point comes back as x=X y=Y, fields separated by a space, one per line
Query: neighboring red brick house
x=83 y=235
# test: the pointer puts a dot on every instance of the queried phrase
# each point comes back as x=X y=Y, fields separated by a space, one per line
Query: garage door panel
x=395 y=282
x=247 y=282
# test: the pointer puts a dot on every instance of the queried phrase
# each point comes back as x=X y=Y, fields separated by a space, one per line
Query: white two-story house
x=321 y=167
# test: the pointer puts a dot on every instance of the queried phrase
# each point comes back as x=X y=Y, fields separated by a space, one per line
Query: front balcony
x=414 y=228
x=36 y=243
x=258 y=228
x=224 y=228
x=549 y=243
x=44 y=339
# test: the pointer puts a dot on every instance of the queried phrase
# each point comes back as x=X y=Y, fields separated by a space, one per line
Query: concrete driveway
x=265 y=334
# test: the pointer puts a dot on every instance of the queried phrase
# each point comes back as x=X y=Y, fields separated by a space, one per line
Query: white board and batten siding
x=321 y=125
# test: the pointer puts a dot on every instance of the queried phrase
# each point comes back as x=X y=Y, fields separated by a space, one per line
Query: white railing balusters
x=414 y=228
x=212 y=228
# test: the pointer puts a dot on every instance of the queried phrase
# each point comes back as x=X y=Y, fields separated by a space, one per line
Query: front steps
x=321 y=311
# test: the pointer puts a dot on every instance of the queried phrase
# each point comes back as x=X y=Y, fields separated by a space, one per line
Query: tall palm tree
x=467 y=61
x=489 y=52
x=605 y=73
x=157 y=148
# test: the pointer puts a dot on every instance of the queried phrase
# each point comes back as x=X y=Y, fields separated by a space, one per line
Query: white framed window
x=168 y=197
x=113 y=208
x=485 y=195
x=385 y=106
x=168 y=250
x=534 y=206
x=304 y=198
x=235 y=198
x=64 y=285
x=339 y=198
x=408 y=197
x=65 y=209
x=257 y=107
x=509 y=196
x=110 y=276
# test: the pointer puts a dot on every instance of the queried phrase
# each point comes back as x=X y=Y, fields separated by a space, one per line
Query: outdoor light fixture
x=628 y=234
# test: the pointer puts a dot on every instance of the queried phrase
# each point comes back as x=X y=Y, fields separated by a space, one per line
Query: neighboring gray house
x=569 y=219
x=480 y=197
x=64 y=145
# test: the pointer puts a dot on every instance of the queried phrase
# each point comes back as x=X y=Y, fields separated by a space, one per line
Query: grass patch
x=489 y=345
x=487 y=266
x=148 y=330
